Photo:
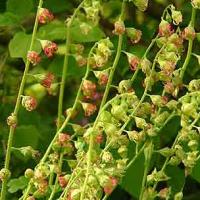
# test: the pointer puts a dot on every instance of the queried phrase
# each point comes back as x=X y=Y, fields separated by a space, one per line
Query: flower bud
x=134 y=35
x=76 y=49
x=30 y=103
x=141 y=4
x=196 y=4
x=81 y=61
x=102 y=77
x=123 y=151
x=164 y=193
x=85 y=28
x=107 y=157
x=146 y=66
x=174 y=161
x=178 y=196
x=119 y=28
x=188 y=109
x=45 y=16
x=33 y=57
x=161 y=41
x=194 y=85
x=119 y=112
x=189 y=33
x=88 y=88
x=193 y=145
x=12 y=120
x=30 y=198
x=62 y=181
x=4 y=174
x=63 y=138
x=49 y=48
x=166 y=152
x=89 y=109
x=47 y=80
x=169 y=87
x=99 y=138
x=133 y=61
x=140 y=123
x=125 y=86
x=165 y=28
x=29 y=173
x=177 y=17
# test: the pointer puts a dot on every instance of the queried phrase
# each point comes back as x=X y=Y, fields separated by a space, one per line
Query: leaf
x=195 y=172
x=26 y=136
x=20 y=44
x=55 y=30
x=177 y=178
x=56 y=6
x=21 y=8
x=94 y=34
x=8 y=19
x=17 y=184
x=132 y=181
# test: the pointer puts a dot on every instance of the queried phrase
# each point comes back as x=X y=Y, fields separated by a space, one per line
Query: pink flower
x=30 y=103
x=47 y=80
x=33 y=57
x=49 y=47
x=45 y=16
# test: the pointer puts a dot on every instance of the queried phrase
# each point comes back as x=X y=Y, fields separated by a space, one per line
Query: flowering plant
x=117 y=129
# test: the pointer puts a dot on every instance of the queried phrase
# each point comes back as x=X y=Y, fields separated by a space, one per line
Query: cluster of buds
x=103 y=52
x=12 y=120
x=29 y=102
x=92 y=10
x=45 y=16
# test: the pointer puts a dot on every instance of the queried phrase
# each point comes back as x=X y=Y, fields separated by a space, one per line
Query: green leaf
x=195 y=172
x=17 y=184
x=177 y=178
x=20 y=44
x=55 y=30
x=20 y=8
x=8 y=19
x=56 y=6
x=94 y=34
x=26 y=136
x=132 y=181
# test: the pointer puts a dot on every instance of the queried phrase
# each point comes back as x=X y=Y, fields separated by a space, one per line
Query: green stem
x=65 y=66
x=18 y=101
x=146 y=169
x=115 y=63
x=190 y=45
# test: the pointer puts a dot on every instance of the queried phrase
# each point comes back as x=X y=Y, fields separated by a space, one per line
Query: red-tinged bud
x=4 y=174
x=45 y=16
x=76 y=49
x=169 y=87
x=134 y=35
x=62 y=181
x=133 y=61
x=49 y=48
x=30 y=198
x=30 y=103
x=88 y=88
x=189 y=33
x=81 y=61
x=12 y=120
x=165 y=28
x=112 y=183
x=43 y=186
x=108 y=190
x=177 y=40
x=164 y=193
x=164 y=100
x=99 y=138
x=89 y=109
x=33 y=57
x=102 y=77
x=47 y=80
x=119 y=28
x=63 y=138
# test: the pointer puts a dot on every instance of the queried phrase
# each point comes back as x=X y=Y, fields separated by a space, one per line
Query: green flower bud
x=107 y=157
x=4 y=174
x=141 y=4
x=194 y=85
x=119 y=112
x=29 y=173
x=125 y=86
x=160 y=119
x=178 y=196
x=189 y=109
x=177 y=17
x=146 y=66
x=134 y=34
x=193 y=145
x=166 y=152
x=123 y=151
x=174 y=161
x=196 y=4
x=140 y=123
x=161 y=41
